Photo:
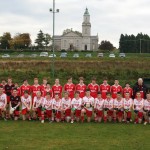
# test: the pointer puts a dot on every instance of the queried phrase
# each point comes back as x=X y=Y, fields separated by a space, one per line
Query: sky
x=109 y=18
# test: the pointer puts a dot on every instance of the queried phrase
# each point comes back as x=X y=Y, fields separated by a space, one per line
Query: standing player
x=47 y=90
x=94 y=88
x=26 y=105
x=70 y=87
x=66 y=107
x=88 y=103
x=127 y=89
x=14 y=104
x=108 y=108
x=98 y=107
x=115 y=89
x=127 y=105
x=138 y=108
x=81 y=87
x=3 y=102
x=3 y=83
x=43 y=86
x=76 y=107
x=57 y=89
x=18 y=88
x=25 y=87
x=104 y=88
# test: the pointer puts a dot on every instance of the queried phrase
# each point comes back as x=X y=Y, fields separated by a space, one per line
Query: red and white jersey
x=38 y=102
x=99 y=103
x=82 y=89
x=138 y=104
x=115 y=89
x=35 y=89
x=147 y=105
x=18 y=92
x=49 y=91
x=43 y=87
x=57 y=104
x=118 y=103
x=104 y=89
x=76 y=103
x=94 y=88
x=70 y=88
x=25 y=88
x=66 y=103
x=27 y=100
x=108 y=103
x=127 y=103
x=3 y=99
x=88 y=101
x=48 y=103
x=57 y=90
x=129 y=90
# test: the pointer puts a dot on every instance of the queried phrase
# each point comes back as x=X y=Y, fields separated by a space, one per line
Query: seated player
x=66 y=107
x=26 y=105
x=146 y=109
x=138 y=108
x=87 y=103
x=127 y=105
x=76 y=107
x=118 y=108
x=108 y=108
x=15 y=102
x=98 y=107
x=56 y=111
x=3 y=102
x=37 y=105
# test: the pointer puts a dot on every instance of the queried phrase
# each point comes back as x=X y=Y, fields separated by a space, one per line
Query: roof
x=86 y=12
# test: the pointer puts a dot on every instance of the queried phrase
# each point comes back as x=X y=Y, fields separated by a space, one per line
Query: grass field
x=62 y=136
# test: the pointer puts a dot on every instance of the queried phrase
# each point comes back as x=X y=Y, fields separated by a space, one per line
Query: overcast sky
x=109 y=18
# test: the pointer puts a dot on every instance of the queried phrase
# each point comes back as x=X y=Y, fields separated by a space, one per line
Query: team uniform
x=35 y=89
x=3 y=98
x=115 y=89
x=8 y=90
x=127 y=90
x=104 y=89
x=94 y=88
x=147 y=110
x=70 y=88
x=25 y=88
x=49 y=91
x=43 y=88
x=81 y=89
x=57 y=90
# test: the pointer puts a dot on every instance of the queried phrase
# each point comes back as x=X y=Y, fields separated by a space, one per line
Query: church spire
x=86 y=12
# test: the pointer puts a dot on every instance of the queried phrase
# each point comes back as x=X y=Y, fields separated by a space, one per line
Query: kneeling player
x=56 y=112
x=88 y=103
x=146 y=109
x=108 y=108
x=118 y=108
x=76 y=107
x=98 y=107
x=138 y=108
x=26 y=105
x=127 y=105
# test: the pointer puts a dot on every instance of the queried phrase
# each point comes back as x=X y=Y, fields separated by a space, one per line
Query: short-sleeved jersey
x=8 y=89
x=38 y=101
x=81 y=89
x=118 y=103
x=48 y=103
x=129 y=90
x=57 y=104
x=14 y=101
x=127 y=103
x=66 y=103
x=3 y=99
x=25 y=88
x=88 y=101
x=49 y=91
x=43 y=87
x=115 y=89
x=35 y=89
x=26 y=100
x=108 y=103
x=138 y=104
x=70 y=88
x=94 y=88
x=104 y=89
x=147 y=105
x=57 y=90
x=99 y=103
x=76 y=103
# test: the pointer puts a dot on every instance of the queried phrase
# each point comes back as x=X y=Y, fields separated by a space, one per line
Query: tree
x=106 y=45
x=40 y=39
x=47 y=39
x=5 y=40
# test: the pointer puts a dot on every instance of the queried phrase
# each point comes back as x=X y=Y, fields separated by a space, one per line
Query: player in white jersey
x=127 y=105
x=108 y=108
x=26 y=102
x=76 y=107
x=56 y=108
x=37 y=105
x=138 y=108
x=3 y=102
x=98 y=107
x=47 y=107
x=66 y=107
x=118 y=108
x=146 y=109
x=87 y=103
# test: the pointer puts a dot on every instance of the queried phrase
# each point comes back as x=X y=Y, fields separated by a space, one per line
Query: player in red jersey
x=108 y=108
x=104 y=88
x=94 y=88
x=43 y=86
x=3 y=83
x=138 y=108
x=47 y=90
x=70 y=87
x=81 y=87
x=57 y=89
x=127 y=89
x=115 y=89
x=25 y=87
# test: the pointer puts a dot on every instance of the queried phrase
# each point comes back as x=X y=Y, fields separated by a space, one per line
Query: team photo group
x=75 y=103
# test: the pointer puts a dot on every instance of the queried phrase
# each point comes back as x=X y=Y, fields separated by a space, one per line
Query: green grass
x=62 y=136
